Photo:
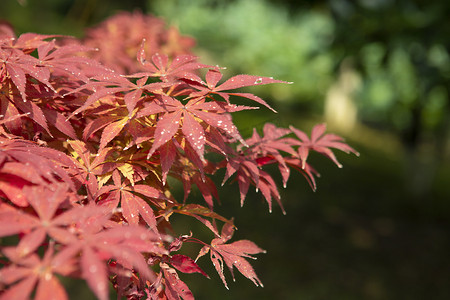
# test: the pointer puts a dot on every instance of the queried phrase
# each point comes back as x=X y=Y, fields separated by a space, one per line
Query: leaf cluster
x=85 y=153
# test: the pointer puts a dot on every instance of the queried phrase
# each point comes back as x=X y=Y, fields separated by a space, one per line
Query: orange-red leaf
x=186 y=264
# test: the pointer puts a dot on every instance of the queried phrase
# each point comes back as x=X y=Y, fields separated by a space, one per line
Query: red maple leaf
x=25 y=274
x=213 y=77
x=247 y=172
x=99 y=209
x=321 y=143
x=308 y=171
x=36 y=227
x=109 y=83
x=98 y=244
x=89 y=165
x=233 y=254
x=25 y=163
x=185 y=264
x=131 y=204
x=17 y=65
x=63 y=60
x=30 y=83
x=182 y=66
x=115 y=123
x=10 y=99
x=81 y=229
x=193 y=117
x=267 y=149
x=168 y=286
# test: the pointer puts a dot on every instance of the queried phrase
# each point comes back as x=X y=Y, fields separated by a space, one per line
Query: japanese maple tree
x=86 y=149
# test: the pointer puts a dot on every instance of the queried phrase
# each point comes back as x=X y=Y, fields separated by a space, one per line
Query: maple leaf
x=267 y=149
x=175 y=289
x=50 y=58
x=308 y=171
x=25 y=163
x=205 y=185
x=90 y=165
x=186 y=264
x=36 y=79
x=168 y=286
x=26 y=273
x=190 y=170
x=247 y=172
x=182 y=66
x=98 y=123
x=111 y=131
x=27 y=42
x=110 y=83
x=132 y=205
x=167 y=155
x=11 y=187
x=99 y=212
x=116 y=124
x=97 y=245
x=213 y=76
x=321 y=143
x=269 y=189
x=8 y=95
x=192 y=116
x=103 y=114
x=59 y=121
x=45 y=202
x=63 y=59
x=12 y=119
x=233 y=255
x=18 y=65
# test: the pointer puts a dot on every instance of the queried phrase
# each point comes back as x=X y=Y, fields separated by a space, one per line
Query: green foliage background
x=379 y=227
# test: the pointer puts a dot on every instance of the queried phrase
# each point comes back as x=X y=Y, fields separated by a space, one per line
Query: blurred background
x=377 y=72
